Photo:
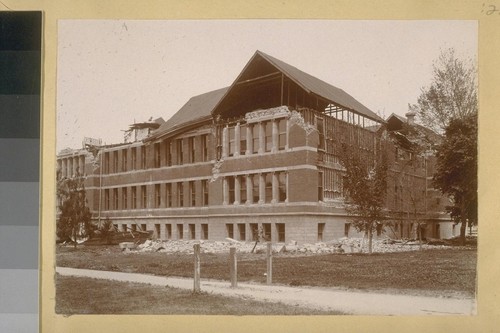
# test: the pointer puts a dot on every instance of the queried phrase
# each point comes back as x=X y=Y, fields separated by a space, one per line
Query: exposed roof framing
x=262 y=67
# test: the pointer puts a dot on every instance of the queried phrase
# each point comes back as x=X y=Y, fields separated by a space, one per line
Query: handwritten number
x=490 y=9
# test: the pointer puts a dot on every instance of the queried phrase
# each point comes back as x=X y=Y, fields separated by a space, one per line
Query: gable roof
x=197 y=109
x=312 y=85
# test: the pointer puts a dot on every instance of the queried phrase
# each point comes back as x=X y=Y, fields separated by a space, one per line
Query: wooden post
x=196 y=288
x=269 y=259
x=233 y=270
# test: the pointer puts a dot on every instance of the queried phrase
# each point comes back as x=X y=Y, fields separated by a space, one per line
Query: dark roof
x=318 y=87
x=198 y=108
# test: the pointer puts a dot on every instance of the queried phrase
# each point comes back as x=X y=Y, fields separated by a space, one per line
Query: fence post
x=233 y=270
x=269 y=259
x=196 y=288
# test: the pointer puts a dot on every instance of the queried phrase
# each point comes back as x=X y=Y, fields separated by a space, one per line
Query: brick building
x=261 y=153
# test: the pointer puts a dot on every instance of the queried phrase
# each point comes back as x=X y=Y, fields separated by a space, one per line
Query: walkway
x=358 y=303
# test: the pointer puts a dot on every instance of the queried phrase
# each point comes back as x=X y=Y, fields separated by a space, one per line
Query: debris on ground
x=340 y=246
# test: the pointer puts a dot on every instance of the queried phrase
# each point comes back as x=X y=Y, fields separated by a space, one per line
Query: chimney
x=411 y=117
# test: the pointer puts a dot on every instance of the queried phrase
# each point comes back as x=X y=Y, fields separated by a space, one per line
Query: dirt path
x=358 y=303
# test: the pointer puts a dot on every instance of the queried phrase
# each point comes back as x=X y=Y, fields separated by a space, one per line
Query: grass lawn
x=446 y=272
x=93 y=296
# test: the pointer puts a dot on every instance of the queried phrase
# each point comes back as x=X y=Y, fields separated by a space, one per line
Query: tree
x=451 y=95
x=366 y=184
x=74 y=220
x=456 y=170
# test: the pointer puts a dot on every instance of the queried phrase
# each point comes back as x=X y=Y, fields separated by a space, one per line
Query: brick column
x=262 y=134
x=275 y=188
x=237 y=140
x=275 y=136
x=237 y=190
x=225 y=191
x=249 y=140
x=225 y=142
x=262 y=188
x=249 y=189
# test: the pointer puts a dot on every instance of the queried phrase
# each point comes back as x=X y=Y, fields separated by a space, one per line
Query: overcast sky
x=113 y=73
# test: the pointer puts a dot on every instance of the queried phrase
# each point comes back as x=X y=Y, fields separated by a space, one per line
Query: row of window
x=270 y=187
x=238 y=231
x=165 y=195
x=166 y=153
x=246 y=139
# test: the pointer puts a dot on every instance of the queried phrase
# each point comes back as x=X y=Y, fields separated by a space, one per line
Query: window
x=124 y=227
x=106 y=163
x=320 y=126
x=124 y=198
x=267 y=231
x=115 y=161
x=230 y=184
x=254 y=227
x=280 y=229
x=143 y=157
x=229 y=230
x=133 y=227
x=157 y=196
x=192 y=231
x=321 y=230
x=204 y=188
x=134 y=158
x=168 y=153
x=180 y=154
x=243 y=189
x=192 y=193
x=143 y=227
x=106 y=199
x=180 y=194
x=255 y=188
x=347 y=227
x=124 y=160
x=320 y=186
x=281 y=134
x=255 y=138
x=115 y=198
x=282 y=186
x=268 y=135
x=191 y=150
x=157 y=231
x=243 y=139
x=168 y=231
x=241 y=231
x=144 y=197
x=204 y=147
x=232 y=140
x=157 y=159
x=269 y=187
x=134 y=197
x=204 y=231
x=168 y=193
x=180 y=231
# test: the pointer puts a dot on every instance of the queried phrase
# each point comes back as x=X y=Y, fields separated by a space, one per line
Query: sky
x=112 y=73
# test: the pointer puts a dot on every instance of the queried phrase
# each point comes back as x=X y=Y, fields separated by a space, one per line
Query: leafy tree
x=366 y=185
x=74 y=220
x=451 y=95
x=456 y=170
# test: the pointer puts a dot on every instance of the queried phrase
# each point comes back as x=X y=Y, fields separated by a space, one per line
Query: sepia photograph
x=266 y=167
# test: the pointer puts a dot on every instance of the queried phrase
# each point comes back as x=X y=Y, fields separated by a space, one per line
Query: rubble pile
x=342 y=245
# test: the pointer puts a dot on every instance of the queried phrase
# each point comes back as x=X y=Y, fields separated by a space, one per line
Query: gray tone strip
x=19 y=322
x=18 y=291
x=18 y=247
x=20 y=116
x=19 y=160
x=19 y=203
